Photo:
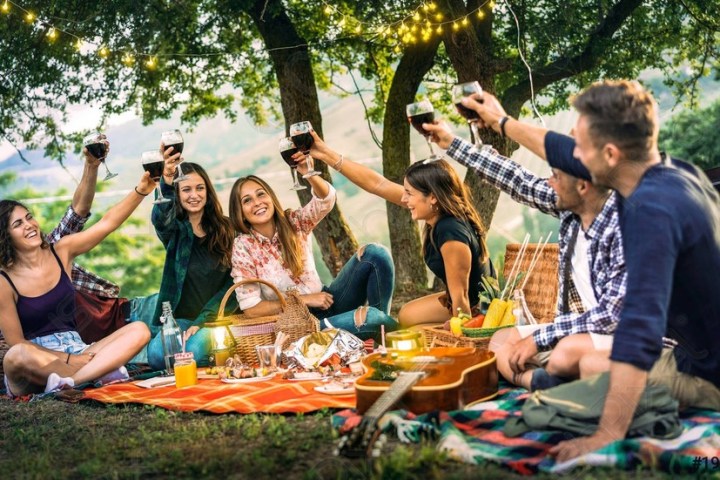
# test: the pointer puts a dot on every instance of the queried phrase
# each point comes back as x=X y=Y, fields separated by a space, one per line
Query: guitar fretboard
x=402 y=384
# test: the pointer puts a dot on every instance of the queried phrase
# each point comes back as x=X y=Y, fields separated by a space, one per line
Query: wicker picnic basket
x=295 y=320
x=541 y=289
x=437 y=336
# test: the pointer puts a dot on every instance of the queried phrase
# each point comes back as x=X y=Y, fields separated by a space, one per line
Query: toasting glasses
x=417 y=114
x=468 y=89
x=97 y=148
x=173 y=138
x=303 y=140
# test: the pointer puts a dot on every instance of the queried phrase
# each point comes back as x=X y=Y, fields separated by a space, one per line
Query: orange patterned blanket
x=271 y=396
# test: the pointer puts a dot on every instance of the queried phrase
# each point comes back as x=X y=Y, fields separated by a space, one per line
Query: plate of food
x=248 y=379
x=336 y=389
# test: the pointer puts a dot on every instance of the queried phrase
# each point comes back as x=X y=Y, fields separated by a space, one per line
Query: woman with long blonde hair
x=273 y=245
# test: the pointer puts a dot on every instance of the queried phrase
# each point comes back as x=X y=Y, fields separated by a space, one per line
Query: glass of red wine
x=303 y=140
x=173 y=138
x=287 y=150
x=95 y=144
x=154 y=162
x=468 y=89
x=417 y=114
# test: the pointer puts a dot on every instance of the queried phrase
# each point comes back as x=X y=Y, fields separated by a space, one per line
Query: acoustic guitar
x=442 y=378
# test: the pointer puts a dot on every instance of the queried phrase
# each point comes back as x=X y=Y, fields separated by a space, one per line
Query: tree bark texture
x=405 y=241
x=299 y=101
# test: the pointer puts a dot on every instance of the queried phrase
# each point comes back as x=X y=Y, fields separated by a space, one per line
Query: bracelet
x=140 y=193
x=502 y=123
x=338 y=165
x=67 y=360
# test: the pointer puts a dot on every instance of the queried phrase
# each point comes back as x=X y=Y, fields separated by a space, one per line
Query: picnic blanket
x=271 y=396
x=476 y=436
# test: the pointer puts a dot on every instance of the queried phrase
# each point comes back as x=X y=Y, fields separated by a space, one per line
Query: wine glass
x=468 y=89
x=287 y=150
x=173 y=138
x=154 y=162
x=97 y=148
x=303 y=140
x=417 y=114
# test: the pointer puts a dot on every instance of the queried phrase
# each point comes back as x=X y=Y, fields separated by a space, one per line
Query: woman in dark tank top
x=37 y=301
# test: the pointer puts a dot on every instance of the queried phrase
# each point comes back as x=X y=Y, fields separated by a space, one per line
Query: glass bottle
x=171 y=337
x=523 y=315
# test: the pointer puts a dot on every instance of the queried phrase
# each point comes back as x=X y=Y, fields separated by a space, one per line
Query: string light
x=128 y=59
x=103 y=52
x=52 y=34
x=5 y=7
x=151 y=63
x=30 y=17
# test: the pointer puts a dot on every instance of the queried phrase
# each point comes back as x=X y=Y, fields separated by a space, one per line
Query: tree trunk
x=299 y=100
x=405 y=242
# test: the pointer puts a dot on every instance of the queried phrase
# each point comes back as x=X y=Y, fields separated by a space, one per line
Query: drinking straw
x=516 y=265
x=382 y=335
x=535 y=258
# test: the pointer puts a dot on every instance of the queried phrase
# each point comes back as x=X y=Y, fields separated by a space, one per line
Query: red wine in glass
x=417 y=114
x=155 y=169
x=303 y=140
x=96 y=146
x=467 y=113
x=287 y=150
x=177 y=147
x=174 y=138
x=417 y=122
x=468 y=89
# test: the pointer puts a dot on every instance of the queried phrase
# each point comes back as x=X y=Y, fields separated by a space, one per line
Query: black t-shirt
x=451 y=228
x=205 y=278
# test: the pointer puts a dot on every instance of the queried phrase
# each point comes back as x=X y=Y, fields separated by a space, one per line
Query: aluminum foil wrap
x=312 y=351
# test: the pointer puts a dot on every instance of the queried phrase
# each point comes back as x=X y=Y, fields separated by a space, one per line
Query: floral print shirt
x=256 y=256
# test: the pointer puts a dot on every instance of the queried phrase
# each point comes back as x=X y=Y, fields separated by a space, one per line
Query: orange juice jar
x=185 y=370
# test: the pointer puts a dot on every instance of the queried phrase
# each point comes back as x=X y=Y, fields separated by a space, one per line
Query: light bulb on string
x=79 y=44
x=328 y=10
x=103 y=52
x=439 y=30
x=480 y=14
x=128 y=59
x=30 y=17
x=52 y=34
x=464 y=22
x=151 y=63
x=358 y=29
x=439 y=17
x=491 y=4
x=432 y=6
x=5 y=7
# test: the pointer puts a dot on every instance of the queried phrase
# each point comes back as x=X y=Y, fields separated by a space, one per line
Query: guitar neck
x=402 y=384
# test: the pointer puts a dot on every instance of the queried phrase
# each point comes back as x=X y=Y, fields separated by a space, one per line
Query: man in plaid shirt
x=592 y=275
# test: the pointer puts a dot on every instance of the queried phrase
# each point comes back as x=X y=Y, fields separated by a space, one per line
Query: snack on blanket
x=339 y=347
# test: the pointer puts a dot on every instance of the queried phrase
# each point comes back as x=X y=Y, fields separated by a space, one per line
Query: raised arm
x=73 y=245
x=362 y=176
x=85 y=191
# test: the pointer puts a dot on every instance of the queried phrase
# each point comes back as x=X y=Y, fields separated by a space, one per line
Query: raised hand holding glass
x=417 y=114
x=468 y=89
x=173 y=138
x=303 y=140
x=153 y=162
x=95 y=144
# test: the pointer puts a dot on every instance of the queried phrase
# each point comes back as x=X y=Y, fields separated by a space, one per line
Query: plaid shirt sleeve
x=604 y=317
x=162 y=215
x=70 y=223
x=508 y=176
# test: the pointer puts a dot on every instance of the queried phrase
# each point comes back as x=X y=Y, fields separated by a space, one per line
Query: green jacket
x=177 y=237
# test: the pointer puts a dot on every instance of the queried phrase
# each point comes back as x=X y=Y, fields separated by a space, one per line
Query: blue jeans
x=371 y=280
x=199 y=344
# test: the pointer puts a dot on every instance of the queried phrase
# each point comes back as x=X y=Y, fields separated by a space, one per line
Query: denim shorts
x=68 y=342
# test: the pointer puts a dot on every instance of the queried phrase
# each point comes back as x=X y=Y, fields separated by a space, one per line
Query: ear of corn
x=508 y=317
x=495 y=313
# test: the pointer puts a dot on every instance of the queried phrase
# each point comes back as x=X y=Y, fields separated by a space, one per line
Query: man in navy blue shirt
x=670 y=221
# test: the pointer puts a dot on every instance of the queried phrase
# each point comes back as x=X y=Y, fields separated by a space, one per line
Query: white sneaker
x=55 y=382
x=116 y=376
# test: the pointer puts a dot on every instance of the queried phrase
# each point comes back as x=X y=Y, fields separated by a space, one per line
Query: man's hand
x=190 y=332
x=489 y=109
x=570 y=449
x=523 y=351
x=440 y=133
x=91 y=161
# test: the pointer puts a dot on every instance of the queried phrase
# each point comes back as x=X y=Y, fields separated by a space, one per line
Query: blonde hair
x=292 y=253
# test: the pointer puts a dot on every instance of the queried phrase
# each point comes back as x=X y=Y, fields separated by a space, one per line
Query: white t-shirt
x=580 y=262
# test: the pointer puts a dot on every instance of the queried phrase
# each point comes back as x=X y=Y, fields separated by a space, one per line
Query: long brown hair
x=453 y=198
x=291 y=249
x=8 y=254
x=219 y=230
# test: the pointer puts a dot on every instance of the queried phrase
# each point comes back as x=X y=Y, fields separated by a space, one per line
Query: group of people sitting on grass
x=639 y=261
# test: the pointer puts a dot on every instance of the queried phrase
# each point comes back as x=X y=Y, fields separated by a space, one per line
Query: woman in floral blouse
x=273 y=245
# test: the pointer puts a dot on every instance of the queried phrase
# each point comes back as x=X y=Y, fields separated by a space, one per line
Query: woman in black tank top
x=38 y=303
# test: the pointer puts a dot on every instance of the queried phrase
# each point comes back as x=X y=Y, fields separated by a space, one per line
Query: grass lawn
x=54 y=439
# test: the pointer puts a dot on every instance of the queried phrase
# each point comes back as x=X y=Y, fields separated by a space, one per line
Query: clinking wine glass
x=154 y=162
x=173 y=138
x=468 y=89
x=417 y=114
x=287 y=150
x=303 y=140
x=97 y=148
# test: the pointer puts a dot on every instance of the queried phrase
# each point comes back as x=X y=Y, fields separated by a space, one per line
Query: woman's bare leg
x=28 y=366
x=427 y=309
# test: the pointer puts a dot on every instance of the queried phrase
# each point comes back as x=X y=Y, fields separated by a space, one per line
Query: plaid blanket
x=271 y=396
x=476 y=436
